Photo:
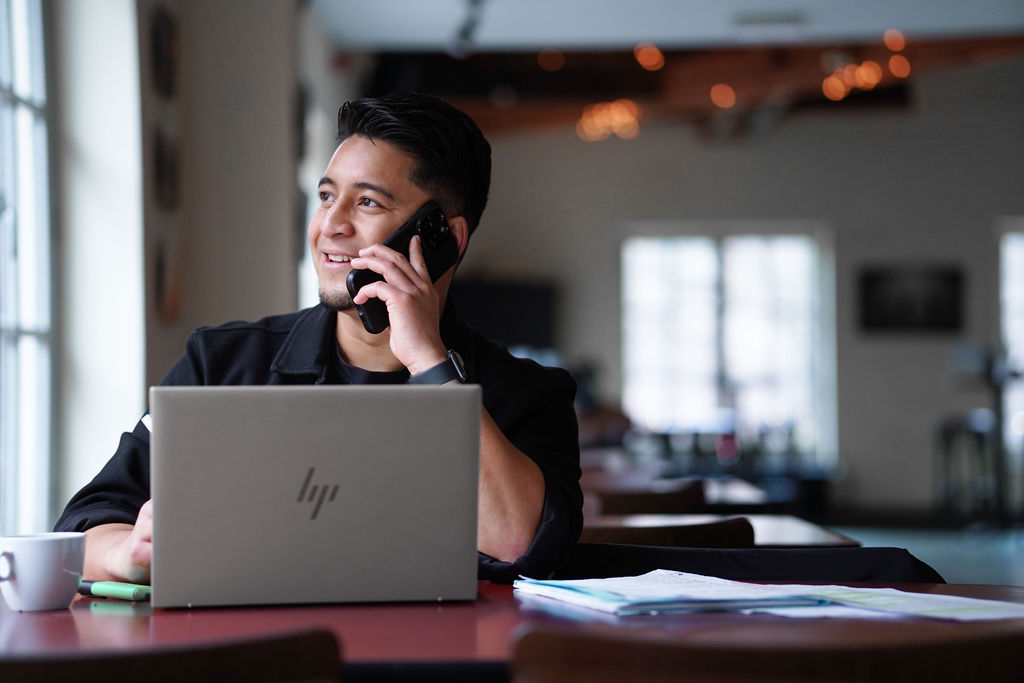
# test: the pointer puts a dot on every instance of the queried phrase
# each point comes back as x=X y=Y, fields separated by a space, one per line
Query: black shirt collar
x=312 y=349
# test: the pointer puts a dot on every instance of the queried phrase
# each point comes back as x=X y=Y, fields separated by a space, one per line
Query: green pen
x=115 y=589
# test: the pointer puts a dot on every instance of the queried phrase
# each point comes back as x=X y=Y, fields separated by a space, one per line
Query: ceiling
x=482 y=54
x=513 y=25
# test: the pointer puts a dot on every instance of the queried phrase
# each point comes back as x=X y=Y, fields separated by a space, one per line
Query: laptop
x=314 y=494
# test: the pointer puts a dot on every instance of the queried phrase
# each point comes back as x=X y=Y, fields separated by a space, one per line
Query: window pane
x=5 y=44
x=768 y=331
x=25 y=42
x=32 y=220
x=669 y=328
x=8 y=430
x=8 y=273
x=32 y=452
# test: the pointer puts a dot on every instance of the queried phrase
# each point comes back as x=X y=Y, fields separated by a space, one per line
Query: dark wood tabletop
x=468 y=632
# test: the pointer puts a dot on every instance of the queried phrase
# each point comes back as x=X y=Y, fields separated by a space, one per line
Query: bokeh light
x=894 y=40
x=723 y=96
x=899 y=66
x=649 y=56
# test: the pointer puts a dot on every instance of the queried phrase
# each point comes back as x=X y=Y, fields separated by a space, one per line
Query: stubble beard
x=336 y=300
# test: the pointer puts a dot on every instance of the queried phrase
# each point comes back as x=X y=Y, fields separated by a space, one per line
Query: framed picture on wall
x=911 y=298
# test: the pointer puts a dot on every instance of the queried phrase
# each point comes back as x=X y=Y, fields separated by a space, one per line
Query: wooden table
x=473 y=637
x=770 y=531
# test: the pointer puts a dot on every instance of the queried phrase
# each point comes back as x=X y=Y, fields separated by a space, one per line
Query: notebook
x=315 y=494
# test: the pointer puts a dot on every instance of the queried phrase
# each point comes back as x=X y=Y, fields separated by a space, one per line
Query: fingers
x=400 y=274
x=140 y=541
x=412 y=301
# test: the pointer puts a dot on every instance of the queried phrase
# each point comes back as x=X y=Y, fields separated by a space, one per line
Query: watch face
x=456 y=361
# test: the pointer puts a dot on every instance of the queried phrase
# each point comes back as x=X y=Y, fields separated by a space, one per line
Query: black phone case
x=440 y=250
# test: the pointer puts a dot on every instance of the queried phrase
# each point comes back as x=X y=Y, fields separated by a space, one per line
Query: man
x=394 y=154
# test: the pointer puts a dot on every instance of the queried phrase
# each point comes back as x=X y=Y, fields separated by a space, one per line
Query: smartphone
x=440 y=250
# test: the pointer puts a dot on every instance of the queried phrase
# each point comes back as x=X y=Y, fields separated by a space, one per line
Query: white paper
x=929 y=605
x=663 y=590
x=671 y=591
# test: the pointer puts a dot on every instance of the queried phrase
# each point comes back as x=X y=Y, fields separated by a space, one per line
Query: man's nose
x=337 y=221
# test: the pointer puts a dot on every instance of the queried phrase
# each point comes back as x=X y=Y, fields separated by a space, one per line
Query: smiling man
x=394 y=155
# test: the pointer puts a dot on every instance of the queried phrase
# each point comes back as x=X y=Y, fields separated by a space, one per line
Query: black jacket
x=531 y=404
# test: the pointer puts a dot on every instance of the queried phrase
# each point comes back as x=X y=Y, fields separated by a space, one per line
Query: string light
x=843 y=79
x=602 y=120
x=723 y=96
x=894 y=40
x=868 y=75
x=834 y=88
x=550 y=59
x=899 y=66
x=649 y=56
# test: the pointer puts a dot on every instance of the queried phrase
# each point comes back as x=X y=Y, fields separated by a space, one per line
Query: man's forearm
x=511 y=496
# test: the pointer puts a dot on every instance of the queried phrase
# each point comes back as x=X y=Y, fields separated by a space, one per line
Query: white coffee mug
x=41 y=571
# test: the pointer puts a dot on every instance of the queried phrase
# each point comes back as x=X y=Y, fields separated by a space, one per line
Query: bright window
x=1012 y=315
x=26 y=335
x=722 y=334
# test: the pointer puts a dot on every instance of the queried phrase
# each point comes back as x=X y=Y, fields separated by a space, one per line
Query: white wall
x=240 y=239
x=917 y=186
x=327 y=84
x=99 y=221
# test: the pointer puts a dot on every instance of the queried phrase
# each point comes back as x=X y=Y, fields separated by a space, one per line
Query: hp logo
x=316 y=493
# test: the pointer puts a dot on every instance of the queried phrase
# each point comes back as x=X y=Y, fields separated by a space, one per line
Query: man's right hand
x=120 y=552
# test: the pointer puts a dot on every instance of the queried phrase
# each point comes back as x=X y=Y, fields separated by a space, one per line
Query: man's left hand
x=414 y=306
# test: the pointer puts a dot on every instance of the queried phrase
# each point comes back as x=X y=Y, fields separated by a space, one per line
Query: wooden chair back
x=671 y=497
x=736 y=532
x=547 y=654
x=305 y=656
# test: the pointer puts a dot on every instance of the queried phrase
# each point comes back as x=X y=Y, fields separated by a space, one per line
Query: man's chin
x=336 y=301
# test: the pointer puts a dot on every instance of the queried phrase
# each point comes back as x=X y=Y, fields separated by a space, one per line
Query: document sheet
x=665 y=591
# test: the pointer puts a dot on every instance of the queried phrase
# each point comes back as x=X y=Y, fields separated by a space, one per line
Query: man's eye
x=366 y=201
x=325 y=197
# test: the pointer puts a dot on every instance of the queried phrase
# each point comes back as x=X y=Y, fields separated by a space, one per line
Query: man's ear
x=460 y=229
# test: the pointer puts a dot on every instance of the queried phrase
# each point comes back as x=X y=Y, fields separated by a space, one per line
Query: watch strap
x=450 y=369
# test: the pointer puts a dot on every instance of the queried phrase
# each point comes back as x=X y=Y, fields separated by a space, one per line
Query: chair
x=727 y=533
x=660 y=497
x=548 y=654
x=303 y=656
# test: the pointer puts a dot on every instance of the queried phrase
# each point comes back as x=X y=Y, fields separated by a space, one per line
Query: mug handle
x=6 y=566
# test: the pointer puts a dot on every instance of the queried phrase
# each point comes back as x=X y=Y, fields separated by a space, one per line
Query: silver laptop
x=327 y=494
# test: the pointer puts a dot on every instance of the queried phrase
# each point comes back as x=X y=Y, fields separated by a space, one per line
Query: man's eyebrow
x=364 y=185
x=361 y=185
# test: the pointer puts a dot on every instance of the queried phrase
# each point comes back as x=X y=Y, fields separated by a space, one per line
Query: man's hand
x=121 y=552
x=414 y=305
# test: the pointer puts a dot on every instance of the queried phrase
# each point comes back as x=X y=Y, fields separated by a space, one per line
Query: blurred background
x=778 y=240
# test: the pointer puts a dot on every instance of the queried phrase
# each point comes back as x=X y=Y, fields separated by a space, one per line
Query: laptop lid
x=325 y=494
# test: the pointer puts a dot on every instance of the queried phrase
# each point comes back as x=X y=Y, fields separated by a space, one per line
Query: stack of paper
x=664 y=591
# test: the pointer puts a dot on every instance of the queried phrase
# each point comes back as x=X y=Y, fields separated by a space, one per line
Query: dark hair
x=453 y=159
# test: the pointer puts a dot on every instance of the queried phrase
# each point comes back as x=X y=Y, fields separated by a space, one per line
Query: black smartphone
x=440 y=251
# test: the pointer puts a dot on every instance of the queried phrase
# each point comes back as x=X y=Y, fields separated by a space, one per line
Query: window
x=26 y=335
x=724 y=335
x=1011 y=289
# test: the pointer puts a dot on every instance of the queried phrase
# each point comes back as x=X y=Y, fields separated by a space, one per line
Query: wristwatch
x=451 y=369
